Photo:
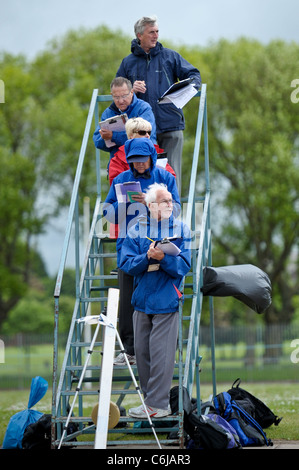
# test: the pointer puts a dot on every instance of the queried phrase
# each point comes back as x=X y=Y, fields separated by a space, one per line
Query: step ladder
x=93 y=280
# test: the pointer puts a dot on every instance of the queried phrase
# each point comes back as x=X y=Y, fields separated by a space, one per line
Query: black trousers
x=125 y=315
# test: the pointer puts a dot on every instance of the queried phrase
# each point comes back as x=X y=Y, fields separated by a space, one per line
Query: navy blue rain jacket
x=160 y=68
x=156 y=291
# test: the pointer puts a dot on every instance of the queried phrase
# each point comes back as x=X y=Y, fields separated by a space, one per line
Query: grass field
x=282 y=398
x=23 y=363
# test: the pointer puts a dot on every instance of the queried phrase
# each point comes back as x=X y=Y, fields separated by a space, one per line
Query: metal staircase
x=93 y=280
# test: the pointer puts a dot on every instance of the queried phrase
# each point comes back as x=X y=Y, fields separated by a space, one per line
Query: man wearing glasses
x=124 y=102
x=156 y=296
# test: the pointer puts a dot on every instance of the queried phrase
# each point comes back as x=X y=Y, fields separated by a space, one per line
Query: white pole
x=107 y=371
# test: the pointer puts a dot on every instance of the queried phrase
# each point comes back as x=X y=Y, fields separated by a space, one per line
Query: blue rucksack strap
x=251 y=421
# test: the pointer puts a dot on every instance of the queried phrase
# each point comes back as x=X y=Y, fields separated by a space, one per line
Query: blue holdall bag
x=248 y=429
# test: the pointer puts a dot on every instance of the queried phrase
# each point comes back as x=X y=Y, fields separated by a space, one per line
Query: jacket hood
x=136 y=49
x=141 y=146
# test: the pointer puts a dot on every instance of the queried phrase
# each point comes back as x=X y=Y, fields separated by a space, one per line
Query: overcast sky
x=26 y=26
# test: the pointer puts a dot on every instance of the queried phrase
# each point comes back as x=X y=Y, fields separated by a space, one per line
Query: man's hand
x=155 y=253
x=105 y=134
x=139 y=86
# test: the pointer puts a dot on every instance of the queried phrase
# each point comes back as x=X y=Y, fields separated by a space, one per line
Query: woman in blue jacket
x=142 y=158
x=156 y=297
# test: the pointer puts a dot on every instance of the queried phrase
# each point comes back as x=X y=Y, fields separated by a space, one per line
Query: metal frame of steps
x=93 y=280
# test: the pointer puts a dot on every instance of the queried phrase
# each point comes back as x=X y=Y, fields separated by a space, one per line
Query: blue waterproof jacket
x=160 y=68
x=126 y=214
x=138 y=108
x=156 y=291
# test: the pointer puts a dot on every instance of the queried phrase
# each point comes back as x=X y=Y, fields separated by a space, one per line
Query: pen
x=150 y=239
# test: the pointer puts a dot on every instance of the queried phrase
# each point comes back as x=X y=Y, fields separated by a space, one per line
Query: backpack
x=233 y=438
x=253 y=405
x=248 y=429
x=205 y=431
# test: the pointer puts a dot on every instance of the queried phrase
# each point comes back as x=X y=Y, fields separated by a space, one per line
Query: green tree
x=18 y=217
x=253 y=138
x=18 y=223
x=41 y=129
x=253 y=130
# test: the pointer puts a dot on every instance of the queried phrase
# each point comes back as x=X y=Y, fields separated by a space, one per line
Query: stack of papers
x=161 y=163
x=179 y=93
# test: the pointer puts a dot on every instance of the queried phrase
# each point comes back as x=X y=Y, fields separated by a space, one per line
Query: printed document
x=179 y=93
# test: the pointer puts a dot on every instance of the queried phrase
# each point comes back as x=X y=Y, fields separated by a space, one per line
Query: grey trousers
x=155 y=339
x=172 y=143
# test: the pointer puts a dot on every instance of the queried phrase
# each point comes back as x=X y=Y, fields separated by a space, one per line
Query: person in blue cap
x=141 y=156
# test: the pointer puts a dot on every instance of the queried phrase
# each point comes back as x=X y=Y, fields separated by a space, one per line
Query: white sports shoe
x=139 y=412
x=121 y=361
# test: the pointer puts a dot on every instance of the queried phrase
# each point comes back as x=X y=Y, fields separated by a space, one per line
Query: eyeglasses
x=165 y=202
x=123 y=97
x=143 y=133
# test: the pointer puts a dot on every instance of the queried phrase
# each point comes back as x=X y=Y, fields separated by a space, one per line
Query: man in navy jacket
x=152 y=69
x=156 y=296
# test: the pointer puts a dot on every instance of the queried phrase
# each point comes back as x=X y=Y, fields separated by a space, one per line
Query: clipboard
x=168 y=247
x=114 y=123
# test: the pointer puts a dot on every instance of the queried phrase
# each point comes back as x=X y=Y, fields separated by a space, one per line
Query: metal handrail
x=75 y=193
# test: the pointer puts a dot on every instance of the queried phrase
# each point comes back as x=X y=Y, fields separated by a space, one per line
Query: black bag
x=205 y=433
x=188 y=405
x=253 y=405
x=38 y=435
x=247 y=283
